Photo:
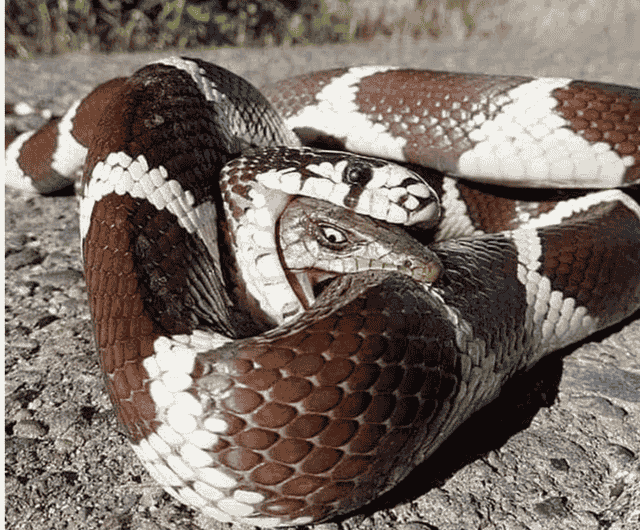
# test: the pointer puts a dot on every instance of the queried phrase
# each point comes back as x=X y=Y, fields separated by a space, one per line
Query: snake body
x=278 y=349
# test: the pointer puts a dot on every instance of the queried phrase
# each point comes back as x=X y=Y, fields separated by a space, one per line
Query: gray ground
x=559 y=450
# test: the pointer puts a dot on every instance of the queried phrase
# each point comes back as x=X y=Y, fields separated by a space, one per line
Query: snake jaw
x=318 y=242
x=306 y=283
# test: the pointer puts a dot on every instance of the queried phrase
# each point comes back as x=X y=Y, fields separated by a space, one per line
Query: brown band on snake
x=85 y=121
x=392 y=389
x=603 y=112
x=289 y=96
x=494 y=213
x=431 y=110
x=36 y=156
x=124 y=329
x=602 y=264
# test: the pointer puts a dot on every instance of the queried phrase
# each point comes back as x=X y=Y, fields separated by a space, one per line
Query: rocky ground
x=558 y=450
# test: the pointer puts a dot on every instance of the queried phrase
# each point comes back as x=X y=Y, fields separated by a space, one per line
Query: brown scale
x=320 y=405
x=289 y=96
x=434 y=111
x=492 y=213
x=604 y=113
x=242 y=190
x=89 y=111
x=124 y=331
x=583 y=266
x=36 y=155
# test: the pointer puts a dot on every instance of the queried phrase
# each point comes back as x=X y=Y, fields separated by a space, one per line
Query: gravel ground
x=558 y=450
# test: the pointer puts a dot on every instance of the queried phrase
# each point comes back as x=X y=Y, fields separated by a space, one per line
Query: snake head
x=319 y=241
x=259 y=186
x=368 y=186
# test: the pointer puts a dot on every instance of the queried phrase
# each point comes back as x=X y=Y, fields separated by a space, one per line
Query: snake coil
x=275 y=336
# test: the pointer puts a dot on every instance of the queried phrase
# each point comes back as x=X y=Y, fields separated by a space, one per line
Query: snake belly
x=375 y=366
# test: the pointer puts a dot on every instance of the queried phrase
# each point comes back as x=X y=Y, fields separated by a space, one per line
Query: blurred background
x=47 y=27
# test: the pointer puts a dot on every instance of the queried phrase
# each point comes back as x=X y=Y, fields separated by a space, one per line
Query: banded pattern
x=279 y=351
x=534 y=132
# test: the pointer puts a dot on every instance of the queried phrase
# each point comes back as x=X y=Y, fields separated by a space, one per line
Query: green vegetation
x=47 y=27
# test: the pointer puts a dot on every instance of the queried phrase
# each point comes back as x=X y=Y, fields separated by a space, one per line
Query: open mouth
x=308 y=284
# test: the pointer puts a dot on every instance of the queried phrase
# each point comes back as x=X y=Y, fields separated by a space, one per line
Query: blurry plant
x=56 y=26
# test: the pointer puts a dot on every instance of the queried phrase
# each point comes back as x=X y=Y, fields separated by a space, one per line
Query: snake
x=295 y=297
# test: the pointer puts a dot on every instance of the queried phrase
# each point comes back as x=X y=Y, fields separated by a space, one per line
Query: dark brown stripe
x=292 y=95
x=88 y=113
x=36 y=154
x=124 y=329
x=432 y=110
x=581 y=264
x=602 y=112
x=160 y=113
x=493 y=213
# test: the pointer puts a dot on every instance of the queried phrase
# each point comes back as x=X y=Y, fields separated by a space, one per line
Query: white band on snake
x=276 y=337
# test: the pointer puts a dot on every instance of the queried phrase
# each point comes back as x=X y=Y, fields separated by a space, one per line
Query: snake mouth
x=308 y=284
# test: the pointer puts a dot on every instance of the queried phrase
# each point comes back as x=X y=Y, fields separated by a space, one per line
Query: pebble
x=29 y=429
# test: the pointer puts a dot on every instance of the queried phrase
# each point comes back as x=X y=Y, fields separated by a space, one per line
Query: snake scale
x=276 y=338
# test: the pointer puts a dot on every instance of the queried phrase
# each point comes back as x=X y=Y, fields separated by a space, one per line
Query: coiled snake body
x=278 y=348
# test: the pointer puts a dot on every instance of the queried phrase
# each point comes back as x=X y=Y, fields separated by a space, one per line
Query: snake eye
x=332 y=237
x=357 y=172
